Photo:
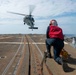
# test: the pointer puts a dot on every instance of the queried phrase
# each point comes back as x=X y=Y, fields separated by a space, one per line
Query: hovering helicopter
x=28 y=19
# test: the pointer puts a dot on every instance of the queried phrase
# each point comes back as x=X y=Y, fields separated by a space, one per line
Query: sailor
x=55 y=38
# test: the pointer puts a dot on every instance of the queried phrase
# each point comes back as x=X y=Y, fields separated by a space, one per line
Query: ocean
x=70 y=35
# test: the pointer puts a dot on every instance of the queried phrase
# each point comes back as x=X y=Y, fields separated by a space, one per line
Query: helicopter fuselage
x=29 y=20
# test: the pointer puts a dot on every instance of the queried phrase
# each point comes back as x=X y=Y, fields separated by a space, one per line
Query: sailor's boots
x=49 y=55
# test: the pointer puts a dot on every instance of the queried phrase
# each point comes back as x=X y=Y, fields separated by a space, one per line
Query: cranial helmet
x=53 y=22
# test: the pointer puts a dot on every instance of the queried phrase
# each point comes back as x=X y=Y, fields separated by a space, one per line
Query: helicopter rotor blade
x=31 y=8
x=17 y=13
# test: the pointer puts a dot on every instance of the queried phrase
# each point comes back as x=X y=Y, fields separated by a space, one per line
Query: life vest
x=55 y=32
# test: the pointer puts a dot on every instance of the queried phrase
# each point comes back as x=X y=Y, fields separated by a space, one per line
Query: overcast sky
x=64 y=11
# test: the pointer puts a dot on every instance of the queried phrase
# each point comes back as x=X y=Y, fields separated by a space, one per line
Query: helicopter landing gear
x=24 y=23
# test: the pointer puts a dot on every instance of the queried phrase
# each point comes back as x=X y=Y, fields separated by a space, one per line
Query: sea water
x=73 y=36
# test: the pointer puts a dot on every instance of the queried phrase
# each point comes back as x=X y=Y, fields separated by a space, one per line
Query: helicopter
x=28 y=19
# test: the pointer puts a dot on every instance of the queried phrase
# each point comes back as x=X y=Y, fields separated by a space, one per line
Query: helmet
x=53 y=22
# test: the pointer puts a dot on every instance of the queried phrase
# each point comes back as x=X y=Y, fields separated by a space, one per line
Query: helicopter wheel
x=24 y=23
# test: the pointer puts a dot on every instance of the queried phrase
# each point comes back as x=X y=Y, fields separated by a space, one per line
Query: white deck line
x=20 y=43
x=26 y=43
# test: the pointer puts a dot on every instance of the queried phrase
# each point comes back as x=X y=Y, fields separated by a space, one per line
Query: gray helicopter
x=28 y=19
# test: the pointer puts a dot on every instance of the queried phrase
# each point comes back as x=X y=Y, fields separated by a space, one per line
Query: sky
x=64 y=11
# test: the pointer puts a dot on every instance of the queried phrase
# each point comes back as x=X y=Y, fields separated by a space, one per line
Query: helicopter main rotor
x=31 y=8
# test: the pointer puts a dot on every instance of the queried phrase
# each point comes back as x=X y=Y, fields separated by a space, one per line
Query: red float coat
x=55 y=32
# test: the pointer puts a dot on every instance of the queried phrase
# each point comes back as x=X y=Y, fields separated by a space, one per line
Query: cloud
x=43 y=7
